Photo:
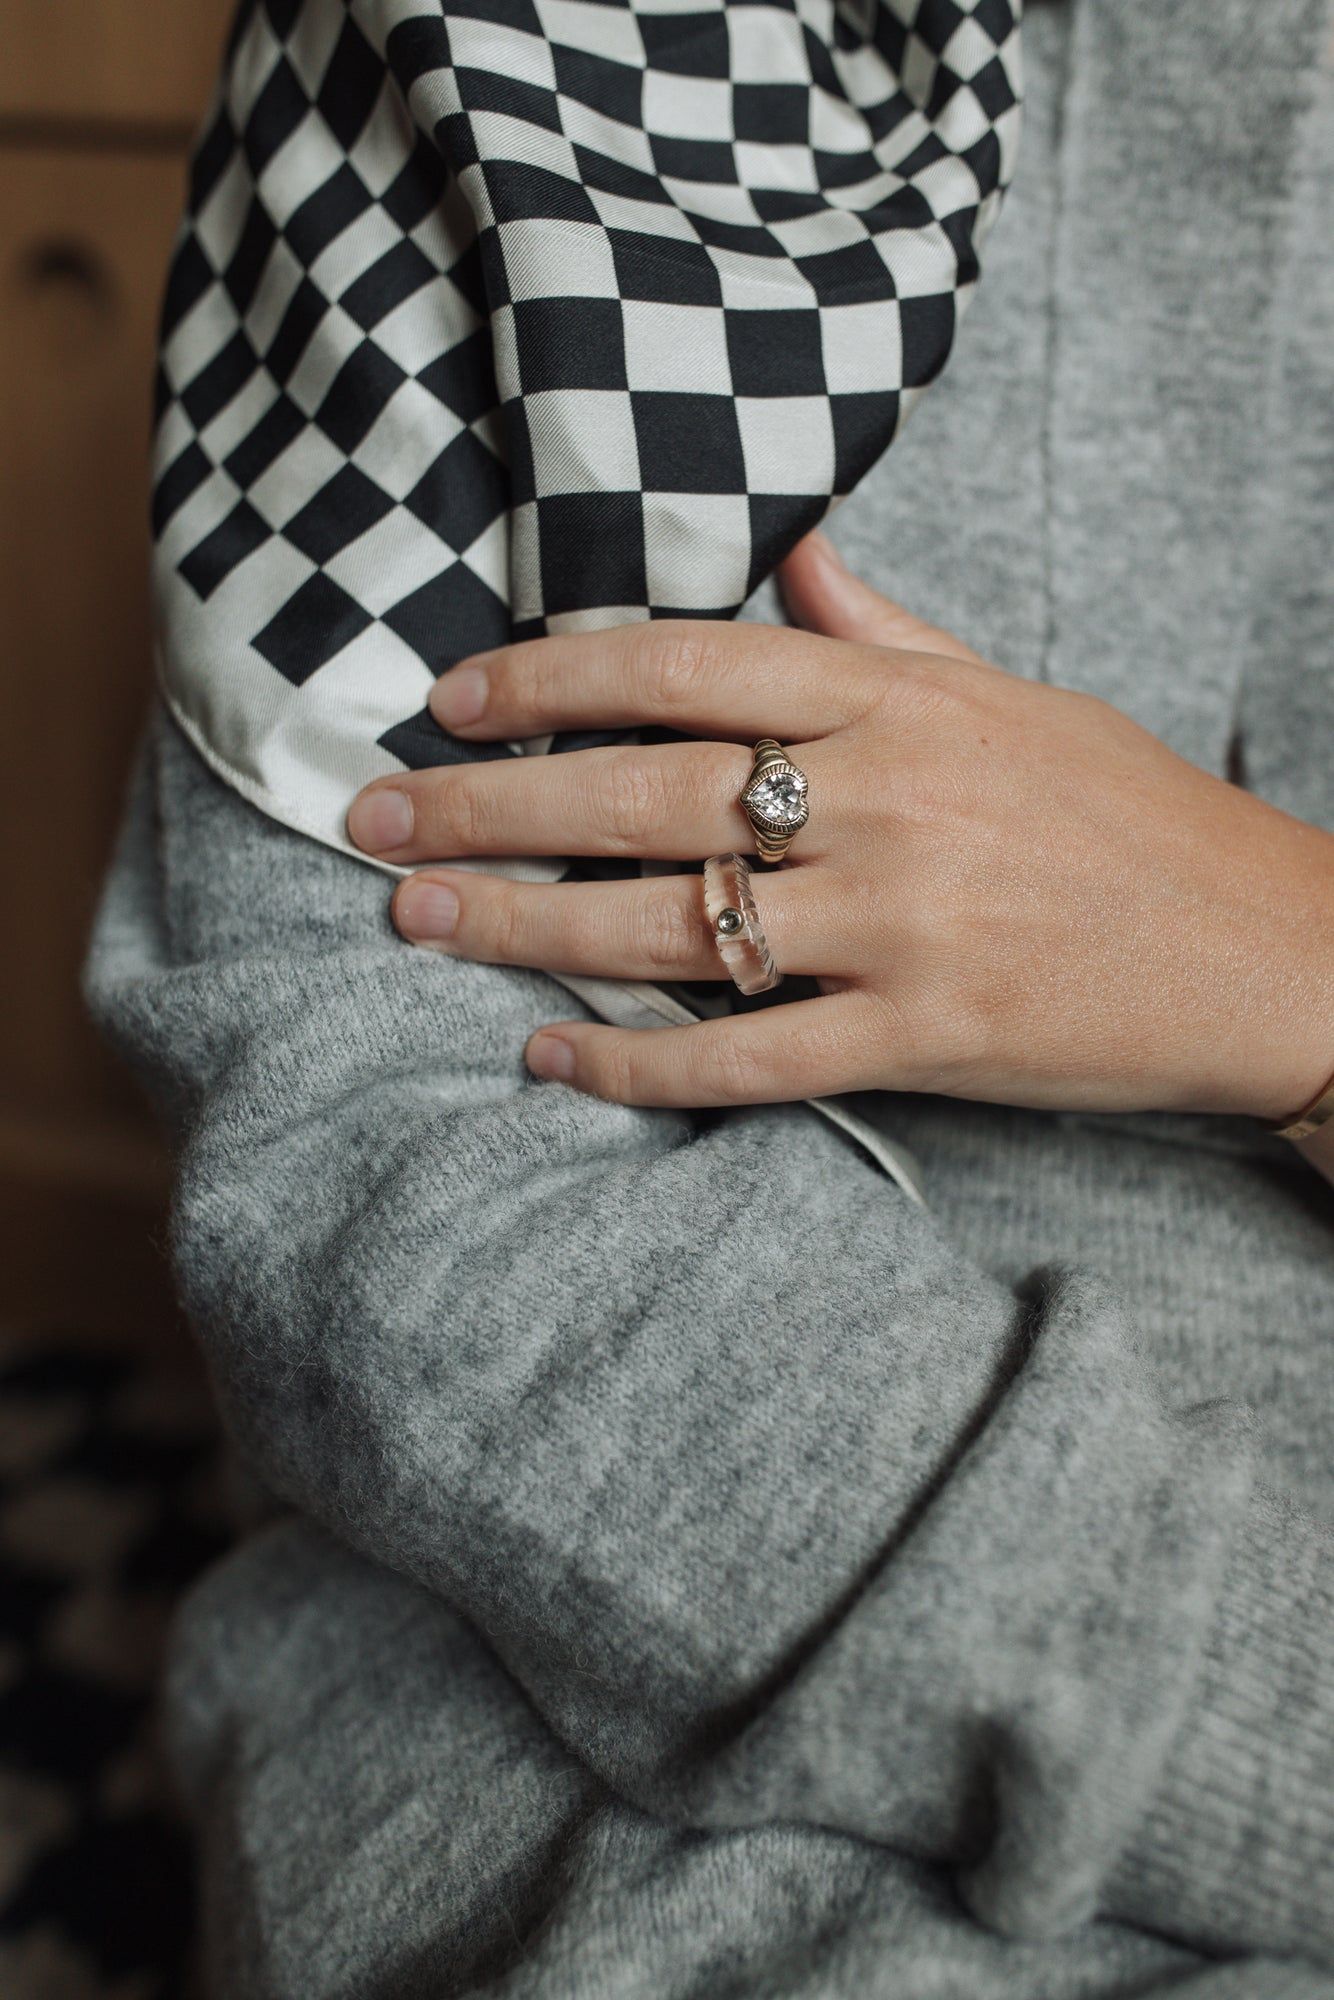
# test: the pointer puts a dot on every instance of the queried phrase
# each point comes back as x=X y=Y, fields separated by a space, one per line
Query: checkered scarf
x=501 y=317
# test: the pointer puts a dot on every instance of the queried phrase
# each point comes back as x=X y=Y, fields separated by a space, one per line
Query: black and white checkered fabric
x=520 y=316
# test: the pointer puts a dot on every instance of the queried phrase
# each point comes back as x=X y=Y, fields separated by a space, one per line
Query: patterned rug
x=111 y=1501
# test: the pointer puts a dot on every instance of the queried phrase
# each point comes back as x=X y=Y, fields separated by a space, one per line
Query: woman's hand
x=1007 y=891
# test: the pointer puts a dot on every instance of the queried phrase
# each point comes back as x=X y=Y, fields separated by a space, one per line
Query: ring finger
x=662 y=802
x=653 y=929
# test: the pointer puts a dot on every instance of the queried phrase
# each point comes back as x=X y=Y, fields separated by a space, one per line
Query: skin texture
x=1008 y=891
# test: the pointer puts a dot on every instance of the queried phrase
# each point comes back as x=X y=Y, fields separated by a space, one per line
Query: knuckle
x=676 y=663
x=931 y=789
x=509 y=932
x=926 y=796
x=459 y=816
x=964 y=1046
x=911 y=1030
x=939 y=1027
x=730 y=1070
x=616 y=1071
x=670 y=933
x=930 y=691
x=532 y=685
x=631 y=799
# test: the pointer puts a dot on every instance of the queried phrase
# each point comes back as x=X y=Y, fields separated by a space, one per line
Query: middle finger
x=660 y=802
x=655 y=929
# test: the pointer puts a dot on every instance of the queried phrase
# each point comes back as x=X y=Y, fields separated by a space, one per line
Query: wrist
x=1292 y=1034
x=1281 y=1098
x=1288 y=1053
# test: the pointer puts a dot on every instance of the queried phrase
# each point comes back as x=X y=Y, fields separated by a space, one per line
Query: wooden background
x=99 y=100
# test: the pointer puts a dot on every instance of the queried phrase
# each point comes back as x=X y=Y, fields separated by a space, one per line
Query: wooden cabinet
x=106 y=63
x=98 y=99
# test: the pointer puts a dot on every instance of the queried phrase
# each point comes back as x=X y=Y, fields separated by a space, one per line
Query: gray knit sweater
x=703 y=1572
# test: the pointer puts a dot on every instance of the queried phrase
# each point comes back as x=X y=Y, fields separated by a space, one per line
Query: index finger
x=700 y=676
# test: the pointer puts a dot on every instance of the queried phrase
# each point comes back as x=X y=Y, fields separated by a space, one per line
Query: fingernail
x=549 y=1056
x=459 y=696
x=426 y=911
x=381 y=820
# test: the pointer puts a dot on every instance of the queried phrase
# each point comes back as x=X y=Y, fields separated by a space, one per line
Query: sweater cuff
x=1237 y=1847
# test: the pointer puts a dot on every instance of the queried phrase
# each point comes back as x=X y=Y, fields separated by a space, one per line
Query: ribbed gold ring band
x=775 y=799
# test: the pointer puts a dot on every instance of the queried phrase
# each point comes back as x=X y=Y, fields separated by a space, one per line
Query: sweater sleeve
x=774 y=1506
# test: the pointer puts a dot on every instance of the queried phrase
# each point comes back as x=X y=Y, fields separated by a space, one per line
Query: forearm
x=773 y=1504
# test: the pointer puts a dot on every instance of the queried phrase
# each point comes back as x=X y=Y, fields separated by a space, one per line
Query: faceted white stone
x=780 y=796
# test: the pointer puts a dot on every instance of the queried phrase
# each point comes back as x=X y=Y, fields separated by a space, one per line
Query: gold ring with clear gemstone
x=774 y=799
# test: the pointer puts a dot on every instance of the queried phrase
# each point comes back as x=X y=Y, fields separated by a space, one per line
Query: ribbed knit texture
x=1258 y=1731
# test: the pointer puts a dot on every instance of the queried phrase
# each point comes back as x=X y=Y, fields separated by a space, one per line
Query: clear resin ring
x=775 y=799
x=734 y=920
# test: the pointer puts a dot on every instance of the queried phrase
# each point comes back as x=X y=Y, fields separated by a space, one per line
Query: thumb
x=823 y=595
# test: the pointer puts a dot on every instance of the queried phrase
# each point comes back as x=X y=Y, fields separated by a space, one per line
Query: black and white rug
x=111 y=1501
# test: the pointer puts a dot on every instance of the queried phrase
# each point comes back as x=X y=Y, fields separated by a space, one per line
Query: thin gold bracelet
x=1317 y=1113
